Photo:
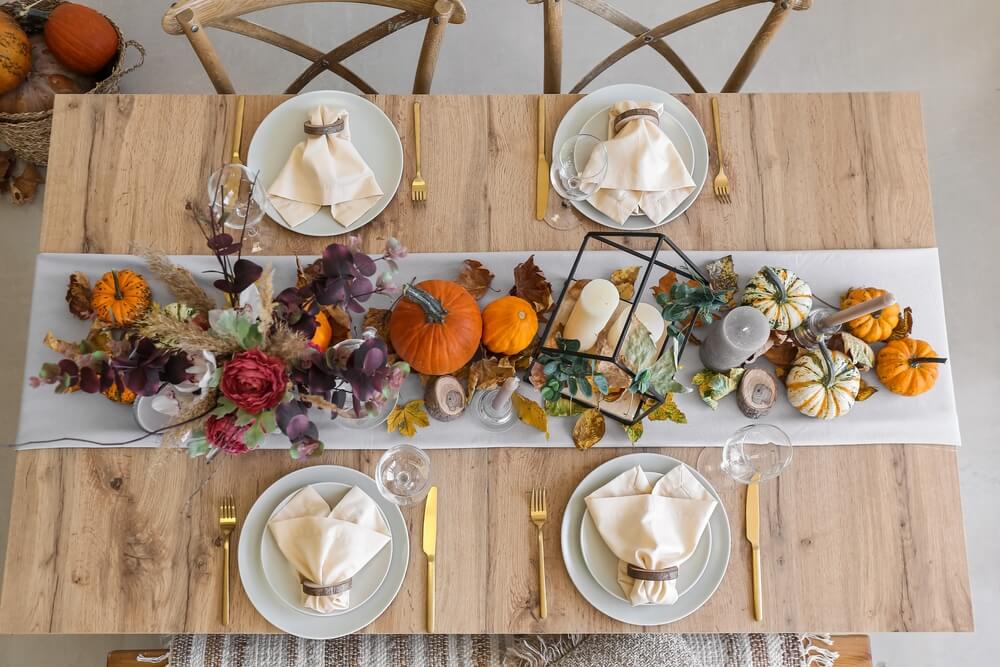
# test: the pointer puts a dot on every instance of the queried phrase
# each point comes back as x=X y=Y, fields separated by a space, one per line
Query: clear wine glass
x=578 y=169
x=403 y=474
x=757 y=452
x=233 y=192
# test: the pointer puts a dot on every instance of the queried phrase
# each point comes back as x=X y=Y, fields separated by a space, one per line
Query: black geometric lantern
x=649 y=400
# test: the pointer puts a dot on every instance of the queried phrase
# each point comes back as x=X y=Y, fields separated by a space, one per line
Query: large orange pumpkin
x=509 y=325
x=436 y=327
x=81 y=38
x=908 y=366
x=15 y=54
x=875 y=326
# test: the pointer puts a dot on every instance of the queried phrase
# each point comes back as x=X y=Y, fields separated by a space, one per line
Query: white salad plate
x=270 y=604
x=372 y=133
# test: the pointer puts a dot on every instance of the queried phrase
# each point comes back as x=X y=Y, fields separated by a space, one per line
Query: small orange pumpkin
x=126 y=396
x=436 y=327
x=82 y=38
x=907 y=366
x=875 y=326
x=324 y=332
x=15 y=54
x=120 y=298
x=509 y=325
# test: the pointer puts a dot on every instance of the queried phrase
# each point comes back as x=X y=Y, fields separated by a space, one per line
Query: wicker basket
x=28 y=133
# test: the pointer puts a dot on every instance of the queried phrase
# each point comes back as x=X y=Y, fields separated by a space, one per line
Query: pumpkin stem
x=773 y=277
x=433 y=310
x=824 y=352
x=118 y=288
x=916 y=361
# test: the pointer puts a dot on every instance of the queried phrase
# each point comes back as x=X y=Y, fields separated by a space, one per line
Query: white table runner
x=912 y=275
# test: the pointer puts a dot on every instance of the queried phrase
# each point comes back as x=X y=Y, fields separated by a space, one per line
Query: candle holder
x=626 y=407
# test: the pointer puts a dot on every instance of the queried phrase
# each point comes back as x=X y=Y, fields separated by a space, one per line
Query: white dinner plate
x=581 y=112
x=284 y=579
x=614 y=605
x=603 y=564
x=372 y=133
x=270 y=605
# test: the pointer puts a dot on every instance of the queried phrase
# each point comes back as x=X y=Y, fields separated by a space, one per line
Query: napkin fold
x=328 y=547
x=651 y=527
x=325 y=170
x=645 y=172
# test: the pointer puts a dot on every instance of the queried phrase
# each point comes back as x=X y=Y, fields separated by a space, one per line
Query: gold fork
x=418 y=189
x=721 y=185
x=538 y=516
x=227 y=523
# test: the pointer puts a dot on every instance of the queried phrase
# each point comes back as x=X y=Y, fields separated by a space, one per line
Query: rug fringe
x=816 y=655
x=539 y=650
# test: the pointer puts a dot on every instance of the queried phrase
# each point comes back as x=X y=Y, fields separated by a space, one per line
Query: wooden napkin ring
x=321 y=130
x=323 y=591
x=651 y=575
x=631 y=114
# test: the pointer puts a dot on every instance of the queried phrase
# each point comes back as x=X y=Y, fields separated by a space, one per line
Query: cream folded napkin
x=325 y=170
x=645 y=172
x=652 y=528
x=328 y=547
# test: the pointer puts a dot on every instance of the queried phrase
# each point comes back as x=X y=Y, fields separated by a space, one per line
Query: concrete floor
x=949 y=52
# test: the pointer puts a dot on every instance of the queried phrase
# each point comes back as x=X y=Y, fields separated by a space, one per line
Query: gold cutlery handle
x=758 y=593
x=543 y=603
x=416 y=131
x=430 y=596
x=225 y=582
x=238 y=129
x=541 y=125
x=718 y=128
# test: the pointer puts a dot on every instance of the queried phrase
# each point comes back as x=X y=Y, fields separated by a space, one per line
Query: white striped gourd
x=823 y=384
x=783 y=297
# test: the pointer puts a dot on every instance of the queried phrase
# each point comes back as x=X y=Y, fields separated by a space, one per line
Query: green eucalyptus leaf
x=601 y=383
x=253 y=437
x=244 y=418
x=267 y=422
x=197 y=446
x=224 y=407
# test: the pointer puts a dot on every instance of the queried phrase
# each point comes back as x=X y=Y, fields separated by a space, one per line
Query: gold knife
x=430 y=543
x=232 y=175
x=542 y=178
x=753 y=537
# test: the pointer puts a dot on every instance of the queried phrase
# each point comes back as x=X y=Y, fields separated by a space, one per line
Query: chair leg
x=206 y=53
x=432 y=46
x=779 y=12
x=553 y=46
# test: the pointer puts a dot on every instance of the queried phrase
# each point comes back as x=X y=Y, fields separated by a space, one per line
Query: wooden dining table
x=862 y=538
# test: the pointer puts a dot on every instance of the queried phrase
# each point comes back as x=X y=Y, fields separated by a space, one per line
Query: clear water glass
x=575 y=176
x=403 y=474
x=233 y=192
x=757 y=452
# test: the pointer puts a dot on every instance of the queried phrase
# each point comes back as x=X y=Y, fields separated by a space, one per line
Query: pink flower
x=224 y=434
x=254 y=381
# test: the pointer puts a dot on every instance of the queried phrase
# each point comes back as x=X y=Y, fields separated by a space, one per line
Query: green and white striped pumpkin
x=783 y=297
x=823 y=384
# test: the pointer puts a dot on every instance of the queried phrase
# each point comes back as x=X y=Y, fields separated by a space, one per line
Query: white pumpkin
x=823 y=384
x=783 y=297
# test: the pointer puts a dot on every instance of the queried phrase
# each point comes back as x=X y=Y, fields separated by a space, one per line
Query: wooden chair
x=654 y=38
x=190 y=17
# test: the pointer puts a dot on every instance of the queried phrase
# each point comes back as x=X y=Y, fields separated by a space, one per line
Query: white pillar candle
x=597 y=303
x=645 y=313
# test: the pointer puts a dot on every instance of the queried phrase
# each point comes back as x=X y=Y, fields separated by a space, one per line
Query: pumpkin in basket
x=509 y=325
x=875 y=326
x=907 y=366
x=783 y=297
x=120 y=298
x=823 y=383
x=81 y=38
x=436 y=327
x=48 y=77
x=15 y=53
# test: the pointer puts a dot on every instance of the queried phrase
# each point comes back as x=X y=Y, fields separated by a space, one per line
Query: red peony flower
x=224 y=434
x=254 y=381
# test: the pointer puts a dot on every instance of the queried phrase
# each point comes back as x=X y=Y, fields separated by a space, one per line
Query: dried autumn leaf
x=530 y=413
x=60 y=346
x=340 y=323
x=668 y=411
x=865 y=391
x=858 y=351
x=714 y=386
x=307 y=274
x=783 y=351
x=487 y=373
x=475 y=277
x=78 y=295
x=378 y=319
x=722 y=276
x=624 y=280
x=7 y=162
x=24 y=186
x=530 y=284
x=589 y=429
x=634 y=432
x=408 y=418
x=904 y=327
x=563 y=407
x=537 y=376
x=667 y=281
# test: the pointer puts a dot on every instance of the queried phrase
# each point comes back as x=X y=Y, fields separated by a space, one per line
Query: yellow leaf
x=904 y=326
x=624 y=281
x=589 y=429
x=865 y=391
x=668 y=412
x=408 y=418
x=634 y=432
x=531 y=413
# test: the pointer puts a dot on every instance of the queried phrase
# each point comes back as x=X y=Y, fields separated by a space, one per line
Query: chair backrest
x=654 y=38
x=191 y=17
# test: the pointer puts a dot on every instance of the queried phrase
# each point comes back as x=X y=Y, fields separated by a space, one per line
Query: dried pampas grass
x=181 y=283
x=184 y=336
x=190 y=418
